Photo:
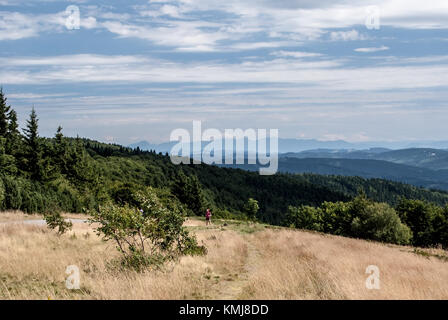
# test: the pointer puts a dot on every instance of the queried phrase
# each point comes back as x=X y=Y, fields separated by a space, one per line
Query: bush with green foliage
x=56 y=221
x=359 y=218
x=380 y=222
x=251 y=208
x=428 y=222
x=147 y=235
x=304 y=217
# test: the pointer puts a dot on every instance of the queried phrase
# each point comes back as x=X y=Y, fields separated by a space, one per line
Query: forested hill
x=73 y=174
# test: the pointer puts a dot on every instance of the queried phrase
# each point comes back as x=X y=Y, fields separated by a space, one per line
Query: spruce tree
x=4 y=109
x=33 y=148
x=13 y=136
x=60 y=150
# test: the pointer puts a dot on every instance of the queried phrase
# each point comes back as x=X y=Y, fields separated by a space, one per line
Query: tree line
x=415 y=222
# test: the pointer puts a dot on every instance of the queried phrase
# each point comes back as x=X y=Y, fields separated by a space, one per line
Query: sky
x=136 y=70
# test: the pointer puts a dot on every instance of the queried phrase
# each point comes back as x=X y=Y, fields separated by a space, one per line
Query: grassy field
x=244 y=261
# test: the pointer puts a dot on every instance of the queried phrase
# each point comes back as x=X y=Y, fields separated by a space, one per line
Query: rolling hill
x=366 y=168
x=435 y=159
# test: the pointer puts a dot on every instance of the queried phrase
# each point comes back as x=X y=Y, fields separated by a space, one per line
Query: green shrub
x=440 y=228
x=418 y=216
x=251 y=208
x=380 y=222
x=147 y=235
x=336 y=217
x=56 y=221
x=124 y=193
x=13 y=194
x=2 y=195
x=304 y=217
x=428 y=223
x=358 y=218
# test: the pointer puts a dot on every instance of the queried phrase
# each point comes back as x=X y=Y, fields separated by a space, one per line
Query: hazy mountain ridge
x=300 y=145
x=425 y=167
x=429 y=158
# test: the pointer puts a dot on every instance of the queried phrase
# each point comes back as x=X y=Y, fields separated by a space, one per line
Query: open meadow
x=244 y=261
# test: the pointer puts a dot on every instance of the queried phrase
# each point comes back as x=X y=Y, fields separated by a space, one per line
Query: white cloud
x=324 y=73
x=347 y=35
x=185 y=25
x=15 y=25
x=182 y=34
x=83 y=60
x=296 y=54
x=372 y=49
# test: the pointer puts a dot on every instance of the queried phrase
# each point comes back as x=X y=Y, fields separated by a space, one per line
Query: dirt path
x=230 y=286
x=233 y=289
x=38 y=222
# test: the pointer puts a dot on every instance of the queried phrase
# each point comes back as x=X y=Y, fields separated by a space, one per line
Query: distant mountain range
x=418 y=176
x=434 y=159
x=299 y=145
x=422 y=167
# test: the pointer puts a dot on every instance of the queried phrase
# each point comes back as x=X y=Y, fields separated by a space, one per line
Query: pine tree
x=4 y=109
x=33 y=152
x=60 y=151
x=13 y=137
x=7 y=162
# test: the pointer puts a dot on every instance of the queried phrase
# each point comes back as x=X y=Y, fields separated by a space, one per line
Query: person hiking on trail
x=208 y=216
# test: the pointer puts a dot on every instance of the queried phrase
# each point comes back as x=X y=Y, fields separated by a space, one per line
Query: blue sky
x=312 y=69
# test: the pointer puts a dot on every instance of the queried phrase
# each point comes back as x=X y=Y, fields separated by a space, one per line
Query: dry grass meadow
x=244 y=261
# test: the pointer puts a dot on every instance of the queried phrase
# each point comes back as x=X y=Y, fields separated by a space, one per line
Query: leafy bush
x=147 y=235
x=13 y=195
x=2 y=194
x=358 y=218
x=55 y=220
x=428 y=223
x=251 y=208
x=304 y=217
x=336 y=217
x=124 y=193
x=440 y=228
x=380 y=222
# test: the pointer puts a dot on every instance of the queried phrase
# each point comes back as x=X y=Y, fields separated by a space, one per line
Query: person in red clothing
x=208 y=216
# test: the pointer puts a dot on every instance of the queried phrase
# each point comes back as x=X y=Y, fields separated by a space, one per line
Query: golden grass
x=304 y=265
x=243 y=262
x=14 y=215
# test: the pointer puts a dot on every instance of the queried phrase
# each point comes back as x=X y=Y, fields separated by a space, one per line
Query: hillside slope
x=244 y=261
x=428 y=158
x=366 y=168
x=228 y=189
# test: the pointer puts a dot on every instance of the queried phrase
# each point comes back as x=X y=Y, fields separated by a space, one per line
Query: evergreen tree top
x=4 y=109
x=31 y=130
